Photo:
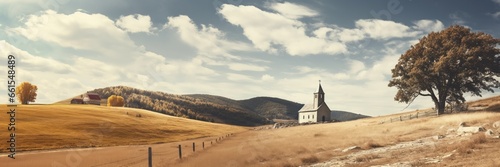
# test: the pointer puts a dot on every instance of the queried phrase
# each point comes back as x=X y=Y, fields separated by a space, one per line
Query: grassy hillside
x=491 y=104
x=268 y=107
x=346 y=116
x=273 y=108
x=249 y=112
x=70 y=126
x=181 y=106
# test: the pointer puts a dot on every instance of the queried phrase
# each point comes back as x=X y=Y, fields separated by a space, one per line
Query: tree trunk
x=441 y=107
x=439 y=104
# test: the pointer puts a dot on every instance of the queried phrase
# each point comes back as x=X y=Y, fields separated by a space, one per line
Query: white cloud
x=339 y=33
x=34 y=63
x=92 y=32
x=496 y=15
x=496 y=1
x=306 y=69
x=429 y=25
x=383 y=29
x=267 y=77
x=135 y=23
x=100 y=71
x=246 y=67
x=239 y=77
x=186 y=69
x=268 y=30
x=293 y=11
x=356 y=66
x=208 y=40
x=20 y=1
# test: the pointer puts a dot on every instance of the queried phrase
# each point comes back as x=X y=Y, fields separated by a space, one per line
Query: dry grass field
x=312 y=144
x=41 y=127
x=402 y=143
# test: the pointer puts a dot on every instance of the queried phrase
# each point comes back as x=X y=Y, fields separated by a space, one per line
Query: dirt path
x=132 y=156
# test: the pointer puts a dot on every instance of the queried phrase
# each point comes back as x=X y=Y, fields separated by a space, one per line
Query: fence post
x=193 y=147
x=180 y=152
x=417 y=115
x=400 y=119
x=150 y=157
x=203 y=144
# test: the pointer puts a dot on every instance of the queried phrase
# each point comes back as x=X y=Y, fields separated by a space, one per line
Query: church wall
x=323 y=111
x=307 y=117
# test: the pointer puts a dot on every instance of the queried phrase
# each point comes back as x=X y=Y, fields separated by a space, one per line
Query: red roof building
x=92 y=98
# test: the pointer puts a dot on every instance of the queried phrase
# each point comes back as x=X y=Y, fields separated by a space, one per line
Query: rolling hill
x=249 y=112
x=272 y=108
x=268 y=107
x=43 y=127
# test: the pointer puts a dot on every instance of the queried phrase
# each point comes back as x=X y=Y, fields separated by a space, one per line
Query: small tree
x=116 y=101
x=444 y=65
x=26 y=92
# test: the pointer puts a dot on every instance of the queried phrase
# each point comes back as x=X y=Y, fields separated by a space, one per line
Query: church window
x=303 y=117
x=308 y=116
x=313 y=116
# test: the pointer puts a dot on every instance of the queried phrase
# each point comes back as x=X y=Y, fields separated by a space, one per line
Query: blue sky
x=232 y=48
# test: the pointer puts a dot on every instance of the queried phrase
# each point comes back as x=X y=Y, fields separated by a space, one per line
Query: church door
x=323 y=118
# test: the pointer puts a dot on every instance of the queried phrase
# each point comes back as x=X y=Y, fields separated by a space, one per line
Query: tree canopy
x=444 y=65
x=26 y=92
x=116 y=101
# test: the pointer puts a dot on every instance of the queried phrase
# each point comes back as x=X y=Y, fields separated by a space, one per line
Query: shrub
x=310 y=160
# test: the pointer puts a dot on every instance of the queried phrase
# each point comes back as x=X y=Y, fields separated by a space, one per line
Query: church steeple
x=319 y=96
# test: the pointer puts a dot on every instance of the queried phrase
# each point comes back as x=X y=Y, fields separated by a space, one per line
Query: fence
x=411 y=116
x=194 y=146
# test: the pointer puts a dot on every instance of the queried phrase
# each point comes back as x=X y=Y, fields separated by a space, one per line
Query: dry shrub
x=467 y=146
x=310 y=160
x=478 y=138
x=287 y=164
x=318 y=134
x=370 y=145
x=417 y=163
x=366 y=158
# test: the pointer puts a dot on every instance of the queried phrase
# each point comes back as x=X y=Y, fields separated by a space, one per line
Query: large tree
x=26 y=92
x=116 y=101
x=444 y=65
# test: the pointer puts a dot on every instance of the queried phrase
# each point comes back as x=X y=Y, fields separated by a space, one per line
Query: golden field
x=41 y=127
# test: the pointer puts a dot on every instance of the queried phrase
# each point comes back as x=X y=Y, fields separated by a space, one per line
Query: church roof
x=307 y=107
x=320 y=89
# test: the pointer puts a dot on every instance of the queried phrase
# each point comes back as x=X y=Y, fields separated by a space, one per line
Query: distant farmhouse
x=316 y=112
x=76 y=101
x=87 y=98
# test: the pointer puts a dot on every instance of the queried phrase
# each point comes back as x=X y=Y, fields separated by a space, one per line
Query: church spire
x=319 y=96
x=320 y=89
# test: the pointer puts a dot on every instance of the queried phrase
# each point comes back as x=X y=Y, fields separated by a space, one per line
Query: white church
x=316 y=112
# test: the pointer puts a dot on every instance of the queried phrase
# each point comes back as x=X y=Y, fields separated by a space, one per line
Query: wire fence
x=411 y=116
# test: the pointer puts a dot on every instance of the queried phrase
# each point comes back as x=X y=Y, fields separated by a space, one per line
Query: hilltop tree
x=26 y=92
x=444 y=65
x=116 y=101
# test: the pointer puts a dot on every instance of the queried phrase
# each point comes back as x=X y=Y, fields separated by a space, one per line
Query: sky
x=232 y=48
